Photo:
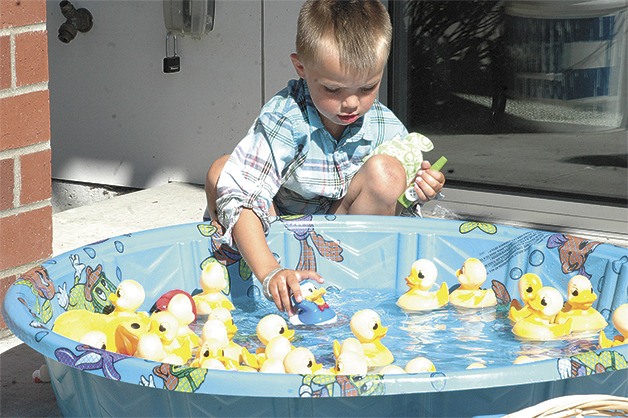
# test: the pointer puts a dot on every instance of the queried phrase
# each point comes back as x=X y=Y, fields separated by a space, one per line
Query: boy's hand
x=286 y=282
x=428 y=183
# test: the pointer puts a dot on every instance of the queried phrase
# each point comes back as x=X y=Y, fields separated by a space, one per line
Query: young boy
x=304 y=153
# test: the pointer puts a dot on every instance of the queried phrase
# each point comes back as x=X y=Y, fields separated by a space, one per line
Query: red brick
x=31 y=58
x=7 y=183
x=24 y=120
x=36 y=177
x=5 y=62
x=22 y=12
x=25 y=237
x=5 y=283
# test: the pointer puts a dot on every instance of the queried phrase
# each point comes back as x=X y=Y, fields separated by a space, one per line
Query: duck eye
x=282 y=330
x=421 y=275
x=162 y=328
x=222 y=353
x=309 y=363
x=543 y=302
x=135 y=325
x=575 y=292
x=118 y=293
x=206 y=353
x=104 y=346
x=529 y=289
x=375 y=326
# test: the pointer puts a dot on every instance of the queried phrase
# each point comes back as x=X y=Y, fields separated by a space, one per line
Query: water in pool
x=451 y=338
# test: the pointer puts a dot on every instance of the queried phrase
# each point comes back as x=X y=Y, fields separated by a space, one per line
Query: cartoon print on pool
x=38 y=280
x=573 y=252
x=221 y=252
x=91 y=358
x=467 y=227
x=180 y=378
x=589 y=363
x=303 y=231
x=326 y=386
x=91 y=295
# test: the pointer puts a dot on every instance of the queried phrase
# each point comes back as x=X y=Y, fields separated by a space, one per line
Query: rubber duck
x=278 y=348
x=272 y=365
x=301 y=361
x=580 y=298
x=232 y=350
x=421 y=279
x=215 y=328
x=76 y=323
x=180 y=304
x=312 y=310
x=350 y=363
x=214 y=279
x=127 y=334
x=471 y=276
x=367 y=327
x=271 y=326
x=150 y=347
x=528 y=285
x=392 y=369
x=540 y=324
x=96 y=339
x=350 y=344
x=620 y=321
x=210 y=355
x=127 y=299
x=420 y=365
x=166 y=327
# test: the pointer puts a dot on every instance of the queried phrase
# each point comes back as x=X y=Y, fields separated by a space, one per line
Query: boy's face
x=339 y=97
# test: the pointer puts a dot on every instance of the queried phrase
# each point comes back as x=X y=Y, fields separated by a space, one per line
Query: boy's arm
x=248 y=234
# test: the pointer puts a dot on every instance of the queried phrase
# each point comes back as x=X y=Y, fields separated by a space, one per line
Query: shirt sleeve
x=254 y=172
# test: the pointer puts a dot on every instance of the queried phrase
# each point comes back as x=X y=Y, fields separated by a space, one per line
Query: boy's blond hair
x=359 y=32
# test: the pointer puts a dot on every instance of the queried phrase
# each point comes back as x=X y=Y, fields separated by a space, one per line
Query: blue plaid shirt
x=289 y=158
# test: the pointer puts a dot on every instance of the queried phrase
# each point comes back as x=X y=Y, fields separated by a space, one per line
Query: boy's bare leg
x=374 y=189
x=211 y=183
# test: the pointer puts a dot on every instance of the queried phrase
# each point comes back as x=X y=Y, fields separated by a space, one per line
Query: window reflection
x=522 y=96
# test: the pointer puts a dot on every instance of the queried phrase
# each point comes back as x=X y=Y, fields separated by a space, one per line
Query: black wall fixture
x=77 y=20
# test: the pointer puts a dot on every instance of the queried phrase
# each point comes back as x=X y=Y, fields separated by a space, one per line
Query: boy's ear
x=298 y=65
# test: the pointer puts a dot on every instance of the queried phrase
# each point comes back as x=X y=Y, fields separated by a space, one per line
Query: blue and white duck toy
x=312 y=310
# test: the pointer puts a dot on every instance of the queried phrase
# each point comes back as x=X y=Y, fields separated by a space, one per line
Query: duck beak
x=289 y=334
x=318 y=293
x=126 y=341
x=584 y=298
x=113 y=298
x=316 y=367
x=381 y=332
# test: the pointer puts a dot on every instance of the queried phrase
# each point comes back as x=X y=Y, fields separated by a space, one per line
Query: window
x=527 y=98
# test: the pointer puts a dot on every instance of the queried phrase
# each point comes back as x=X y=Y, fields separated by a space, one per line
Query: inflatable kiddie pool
x=351 y=252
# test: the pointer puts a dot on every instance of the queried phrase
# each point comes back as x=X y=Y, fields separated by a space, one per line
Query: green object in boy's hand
x=408 y=198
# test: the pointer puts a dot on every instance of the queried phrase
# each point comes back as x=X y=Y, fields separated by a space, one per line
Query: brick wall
x=25 y=179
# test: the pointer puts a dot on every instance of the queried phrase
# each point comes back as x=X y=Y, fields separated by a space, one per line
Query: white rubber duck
x=301 y=361
x=214 y=279
x=421 y=279
x=420 y=365
x=271 y=326
x=580 y=298
x=367 y=327
x=350 y=363
x=128 y=298
x=471 y=276
x=392 y=369
x=620 y=321
x=233 y=350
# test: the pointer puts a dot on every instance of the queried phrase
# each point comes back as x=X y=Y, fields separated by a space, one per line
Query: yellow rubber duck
x=211 y=355
x=620 y=321
x=529 y=284
x=471 y=276
x=421 y=279
x=578 y=307
x=541 y=325
x=367 y=327
x=301 y=361
x=213 y=282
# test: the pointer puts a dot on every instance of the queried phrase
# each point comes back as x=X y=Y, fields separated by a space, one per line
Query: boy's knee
x=387 y=173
